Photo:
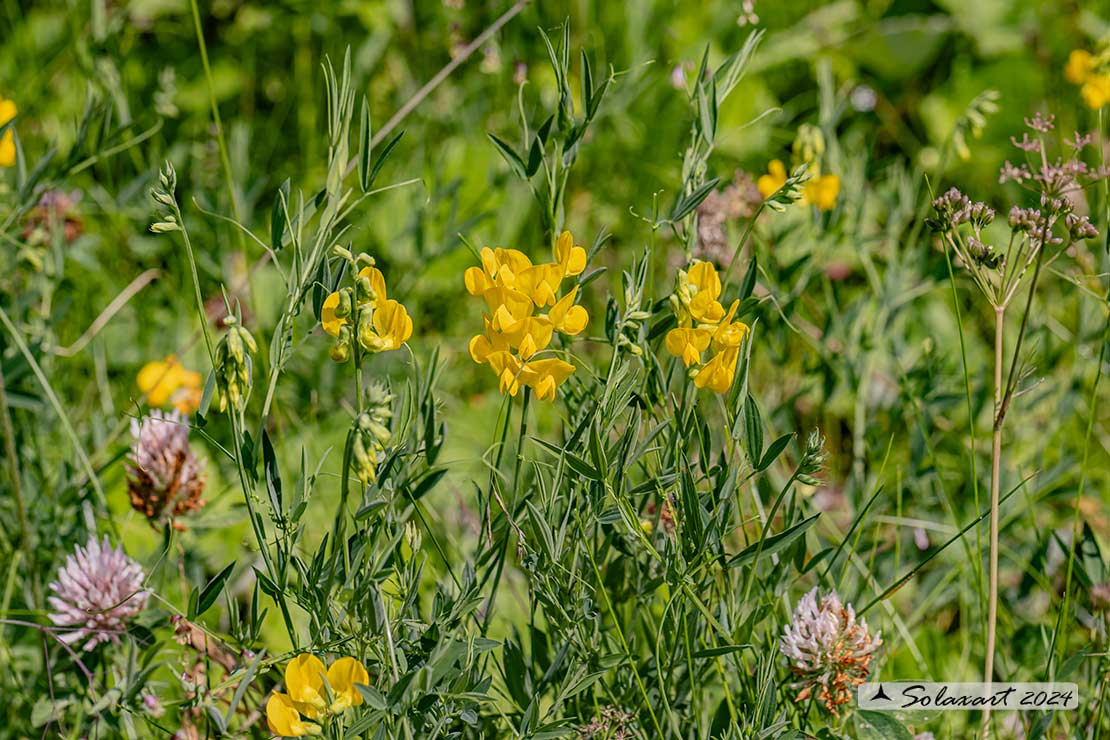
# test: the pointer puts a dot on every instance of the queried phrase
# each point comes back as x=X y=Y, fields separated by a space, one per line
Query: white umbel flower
x=829 y=650
x=98 y=591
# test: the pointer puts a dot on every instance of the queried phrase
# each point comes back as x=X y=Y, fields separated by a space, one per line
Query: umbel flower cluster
x=97 y=592
x=829 y=650
x=313 y=692
x=514 y=290
x=1050 y=225
x=164 y=477
x=704 y=325
x=365 y=314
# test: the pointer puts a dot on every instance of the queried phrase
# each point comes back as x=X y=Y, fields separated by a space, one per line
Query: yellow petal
x=7 y=149
x=567 y=317
x=328 y=319
x=284 y=719
x=718 y=373
x=304 y=680
x=8 y=110
x=343 y=675
x=377 y=282
x=774 y=179
x=477 y=282
x=571 y=258
x=1080 y=63
x=703 y=275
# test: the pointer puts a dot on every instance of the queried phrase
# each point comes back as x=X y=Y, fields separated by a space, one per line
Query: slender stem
x=17 y=486
x=996 y=464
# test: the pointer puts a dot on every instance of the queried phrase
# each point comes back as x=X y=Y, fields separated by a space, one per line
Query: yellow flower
x=343 y=675
x=688 y=344
x=1080 y=63
x=571 y=258
x=304 y=680
x=513 y=333
x=700 y=330
x=284 y=719
x=774 y=179
x=717 y=374
x=545 y=376
x=382 y=324
x=822 y=191
x=1096 y=91
x=392 y=327
x=167 y=381
x=8 y=111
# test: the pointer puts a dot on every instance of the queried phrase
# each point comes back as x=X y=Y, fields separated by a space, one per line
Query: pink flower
x=96 y=594
x=828 y=649
x=164 y=478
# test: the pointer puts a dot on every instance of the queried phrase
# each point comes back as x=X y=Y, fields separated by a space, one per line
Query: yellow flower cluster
x=305 y=681
x=1093 y=74
x=381 y=323
x=514 y=289
x=8 y=111
x=809 y=148
x=703 y=324
x=167 y=381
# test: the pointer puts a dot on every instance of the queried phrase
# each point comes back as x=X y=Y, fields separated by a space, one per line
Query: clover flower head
x=829 y=650
x=56 y=213
x=97 y=592
x=164 y=478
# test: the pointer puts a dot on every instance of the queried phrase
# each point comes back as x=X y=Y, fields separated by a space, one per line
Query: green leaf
x=364 y=145
x=880 y=726
x=753 y=428
x=212 y=590
x=576 y=463
x=510 y=156
x=277 y=216
x=773 y=544
x=774 y=451
x=748 y=285
x=685 y=205
x=273 y=476
x=386 y=150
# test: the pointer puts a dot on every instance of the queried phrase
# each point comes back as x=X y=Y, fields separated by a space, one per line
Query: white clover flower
x=829 y=650
x=98 y=591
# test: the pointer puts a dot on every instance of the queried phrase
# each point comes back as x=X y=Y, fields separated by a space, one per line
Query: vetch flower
x=1092 y=73
x=829 y=650
x=808 y=149
x=315 y=693
x=514 y=290
x=167 y=381
x=704 y=324
x=97 y=592
x=8 y=111
x=377 y=322
x=164 y=477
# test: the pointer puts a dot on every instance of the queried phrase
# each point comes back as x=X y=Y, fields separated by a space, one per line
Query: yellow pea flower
x=717 y=374
x=822 y=191
x=688 y=344
x=568 y=318
x=8 y=111
x=546 y=375
x=166 y=381
x=328 y=320
x=1096 y=91
x=1080 y=63
x=507 y=366
x=775 y=178
x=343 y=675
x=392 y=327
x=304 y=680
x=284 y=719
x=570 y=258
